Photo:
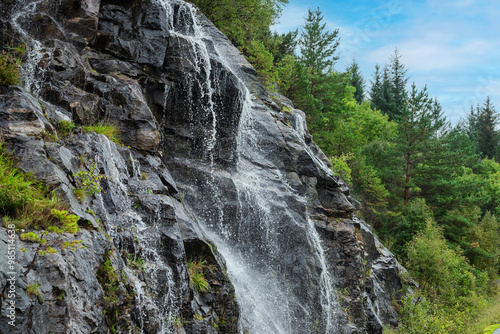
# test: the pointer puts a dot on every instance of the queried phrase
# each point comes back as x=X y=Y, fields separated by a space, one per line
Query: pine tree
x=412 y=168
x=388 y=91
x=469 y=125
x=382 y=93
x=487 y=134
x=357 y=81
x=398 y=82
x=318 y=47
x=375 y=90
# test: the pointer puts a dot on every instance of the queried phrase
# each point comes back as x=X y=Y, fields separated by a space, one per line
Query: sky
x=452 y=46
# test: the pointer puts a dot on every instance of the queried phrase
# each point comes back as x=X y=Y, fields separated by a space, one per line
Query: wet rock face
x=209 y=168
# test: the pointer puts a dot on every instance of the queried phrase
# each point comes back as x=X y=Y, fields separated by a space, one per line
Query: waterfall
x=31 y=72
x=273 y=253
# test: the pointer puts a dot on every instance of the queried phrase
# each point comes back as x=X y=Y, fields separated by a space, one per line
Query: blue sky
x=452 y=46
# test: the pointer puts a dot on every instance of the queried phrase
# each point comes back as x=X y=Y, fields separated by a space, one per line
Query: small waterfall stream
x=31 y=72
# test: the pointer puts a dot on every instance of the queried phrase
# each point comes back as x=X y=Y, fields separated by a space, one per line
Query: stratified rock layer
x=209 y=169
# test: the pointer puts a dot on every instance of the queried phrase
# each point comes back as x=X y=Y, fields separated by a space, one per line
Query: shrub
x=88 y=182
x=69 y=221
x=341 y=166
x=31 y=237
x=451 y=290
x=10 y=71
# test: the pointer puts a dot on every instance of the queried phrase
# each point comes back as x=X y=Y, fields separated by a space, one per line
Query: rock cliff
x=209 y=169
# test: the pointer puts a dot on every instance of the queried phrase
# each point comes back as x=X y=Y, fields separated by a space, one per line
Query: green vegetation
x=197 y=276
x=487 y=318
x=73 y=245
x=32 y=237
x=109 y=130
x=27 y=203
x=69 y=222
x=10 y=70
x=116 y=297
x=33 y=290
x=136 y=263
x=88 y=182
x=65 y=128
x=451 y=289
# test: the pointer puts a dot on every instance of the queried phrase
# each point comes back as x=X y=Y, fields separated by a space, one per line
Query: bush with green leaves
x=451 y=291
x=88 y=181
x=262 y=60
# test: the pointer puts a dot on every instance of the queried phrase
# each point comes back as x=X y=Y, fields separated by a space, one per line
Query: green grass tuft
x=197 y=276
x=109 y=130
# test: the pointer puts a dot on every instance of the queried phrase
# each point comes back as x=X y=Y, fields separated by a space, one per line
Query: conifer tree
x=417 y=157
x=388 y=89
x=487 y=134
x=398 y=83
x=382 y=93
x=357 y=81
x=375 y=90
x=318 y=47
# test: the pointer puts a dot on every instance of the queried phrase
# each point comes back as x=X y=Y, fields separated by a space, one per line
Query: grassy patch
x=28 y=203
x=10 y=70
x=197 y=276
x=33 y=290
x=109 y=130
x=491 y=329
x=66 y=128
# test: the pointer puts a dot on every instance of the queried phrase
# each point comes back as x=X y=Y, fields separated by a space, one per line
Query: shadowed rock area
x=209 y=169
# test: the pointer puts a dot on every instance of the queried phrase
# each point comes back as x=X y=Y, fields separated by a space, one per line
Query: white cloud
x=292 y=18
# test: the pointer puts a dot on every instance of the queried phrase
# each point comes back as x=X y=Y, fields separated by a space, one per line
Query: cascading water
x=273 y=253
x=32 y=73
